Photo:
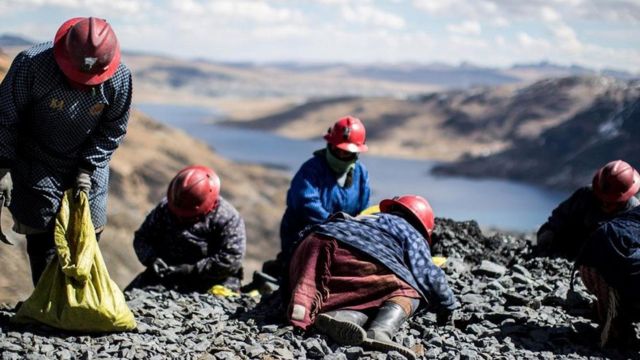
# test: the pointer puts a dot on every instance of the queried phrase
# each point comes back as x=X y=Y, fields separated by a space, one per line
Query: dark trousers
x=41 y=249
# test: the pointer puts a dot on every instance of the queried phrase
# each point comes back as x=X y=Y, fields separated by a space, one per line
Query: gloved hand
x=159 y=267
x=6 y=185
x=179 y=270
x=445 y=317
x=83 y=182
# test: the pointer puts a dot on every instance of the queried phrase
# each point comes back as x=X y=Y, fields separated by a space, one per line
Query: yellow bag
x=75 y=291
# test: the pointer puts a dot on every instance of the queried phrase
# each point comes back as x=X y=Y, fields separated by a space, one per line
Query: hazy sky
x=594 y=33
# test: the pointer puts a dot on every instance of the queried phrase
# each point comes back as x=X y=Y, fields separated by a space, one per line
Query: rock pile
x=513 y=306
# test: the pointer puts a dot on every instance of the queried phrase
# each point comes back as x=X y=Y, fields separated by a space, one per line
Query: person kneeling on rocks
x=609 y=266
x=370 y=269
x=613 y=191
x=193 y=239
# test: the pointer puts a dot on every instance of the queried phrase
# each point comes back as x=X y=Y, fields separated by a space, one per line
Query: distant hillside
x=5 y=62
x=567 y=155
x=10 y=40
x=450 y=125
x=173 y=80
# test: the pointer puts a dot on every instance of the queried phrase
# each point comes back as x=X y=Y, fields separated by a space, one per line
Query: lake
x=500 y=204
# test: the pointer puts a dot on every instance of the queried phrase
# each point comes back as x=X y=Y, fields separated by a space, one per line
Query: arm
x=15 y=93
x=143 y=239
x=227 y=260
x=304 y=196
x=112 y=127
x=566 y=212
x=365 y=190
x=432 y=278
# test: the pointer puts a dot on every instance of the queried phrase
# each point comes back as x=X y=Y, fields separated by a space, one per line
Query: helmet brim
x=387 y=205
x=347 y=146
x=63 y=59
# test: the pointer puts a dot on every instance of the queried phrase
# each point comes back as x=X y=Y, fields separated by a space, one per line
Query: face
x=342 y=154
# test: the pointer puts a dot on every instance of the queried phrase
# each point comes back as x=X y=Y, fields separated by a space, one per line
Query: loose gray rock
x=490 y=269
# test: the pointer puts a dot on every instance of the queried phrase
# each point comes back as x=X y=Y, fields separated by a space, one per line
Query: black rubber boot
x=343 y=326
x=382 y=329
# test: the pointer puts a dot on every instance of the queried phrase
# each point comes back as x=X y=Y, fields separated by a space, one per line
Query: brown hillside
x=4 y=63
x=451 y=124
x=141 y=168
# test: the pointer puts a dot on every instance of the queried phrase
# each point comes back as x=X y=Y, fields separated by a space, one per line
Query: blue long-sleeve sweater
x=315 y=194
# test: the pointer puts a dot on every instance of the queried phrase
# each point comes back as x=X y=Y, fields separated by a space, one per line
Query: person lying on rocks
x=332 y=180
x=609 y=266
x=372 y=270
x=613 y=191
x=193 y=239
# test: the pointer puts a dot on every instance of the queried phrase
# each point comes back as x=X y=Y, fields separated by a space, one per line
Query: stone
x=490 y=269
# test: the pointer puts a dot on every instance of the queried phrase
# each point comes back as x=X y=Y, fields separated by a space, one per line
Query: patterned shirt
x=216 y=244
x=396 y=244
x=49 y=129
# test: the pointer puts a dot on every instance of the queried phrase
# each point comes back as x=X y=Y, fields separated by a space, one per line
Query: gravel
x=513 y=305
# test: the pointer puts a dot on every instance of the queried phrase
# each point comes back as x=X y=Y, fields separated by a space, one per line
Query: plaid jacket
x=216 y=244
x=48 y=130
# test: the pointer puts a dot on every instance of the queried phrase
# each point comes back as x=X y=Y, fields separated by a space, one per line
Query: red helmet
x=347 y=134
x=193 y=192
x=418 y=206
x=616 y=182
x=87 y=50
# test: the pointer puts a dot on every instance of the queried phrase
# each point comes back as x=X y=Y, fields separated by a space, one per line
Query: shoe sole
x=342 y=332
x=389 y=346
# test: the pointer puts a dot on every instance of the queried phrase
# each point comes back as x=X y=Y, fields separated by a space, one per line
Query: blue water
x=493 y=203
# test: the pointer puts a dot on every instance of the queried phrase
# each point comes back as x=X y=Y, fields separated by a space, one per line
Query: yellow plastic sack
x=373 y=209
x=222 y=291
x=75 y=291
x=439 y=261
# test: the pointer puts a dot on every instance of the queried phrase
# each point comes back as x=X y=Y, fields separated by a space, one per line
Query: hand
x=159 y=267
x=445 y=317
x=6 y=185
x=179 y=270
x=83 y=182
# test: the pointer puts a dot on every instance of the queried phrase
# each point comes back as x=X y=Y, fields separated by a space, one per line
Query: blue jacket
x=614 y=250
x=48 y=130
x=315 y=194
x=396 y=244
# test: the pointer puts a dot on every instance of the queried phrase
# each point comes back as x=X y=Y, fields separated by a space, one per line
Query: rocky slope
x=567 y=154
x=514 y=306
